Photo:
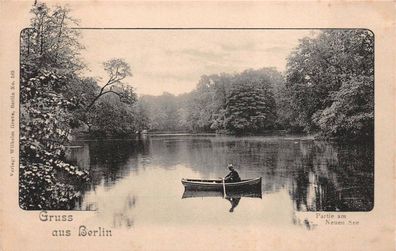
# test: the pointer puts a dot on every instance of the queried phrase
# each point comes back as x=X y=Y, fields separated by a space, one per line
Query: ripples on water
x=137 y=182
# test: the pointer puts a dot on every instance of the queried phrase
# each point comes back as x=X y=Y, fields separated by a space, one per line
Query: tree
x=322 y=66
x=142 y=115
x=249 y=109
x=119 y=111
x=50 y=42
x=109 y=116
x=351 y=115
x=204 y=104
x=118 y=70
x=210 y=105
x=163 y=111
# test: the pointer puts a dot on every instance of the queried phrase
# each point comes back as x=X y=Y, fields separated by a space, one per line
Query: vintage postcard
x=197 y=125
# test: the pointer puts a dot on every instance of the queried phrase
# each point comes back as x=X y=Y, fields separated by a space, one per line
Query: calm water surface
x=136 y=183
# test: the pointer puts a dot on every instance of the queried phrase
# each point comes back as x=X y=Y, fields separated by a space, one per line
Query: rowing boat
x=218 y=185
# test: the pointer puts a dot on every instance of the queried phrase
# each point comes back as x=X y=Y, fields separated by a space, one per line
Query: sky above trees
x=173 y=60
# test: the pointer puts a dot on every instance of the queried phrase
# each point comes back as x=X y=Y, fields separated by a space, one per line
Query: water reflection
x=108 y=160
x=233 y=197
x=121 y=218
x=234 y=203
x=136 y=181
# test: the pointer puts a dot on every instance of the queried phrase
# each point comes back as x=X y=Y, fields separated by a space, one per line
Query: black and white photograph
x=144 y=130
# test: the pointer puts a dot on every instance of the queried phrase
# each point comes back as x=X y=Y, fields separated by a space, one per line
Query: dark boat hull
x=217 y=185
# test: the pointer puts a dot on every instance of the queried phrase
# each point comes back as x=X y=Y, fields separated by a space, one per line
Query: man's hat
x=230 y=165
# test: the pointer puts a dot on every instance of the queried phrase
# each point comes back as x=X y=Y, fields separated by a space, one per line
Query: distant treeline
x=327 y=90
x=233 y=103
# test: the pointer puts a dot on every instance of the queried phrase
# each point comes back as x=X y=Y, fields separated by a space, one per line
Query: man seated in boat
x=233 y=176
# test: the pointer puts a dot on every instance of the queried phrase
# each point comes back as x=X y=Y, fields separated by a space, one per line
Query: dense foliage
x=49 y=60
x=165 y=112
x=330 y=80
x=112 y=116
x=249 y=108
x=231 y=103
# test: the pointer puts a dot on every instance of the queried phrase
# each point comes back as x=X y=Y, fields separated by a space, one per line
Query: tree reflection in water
x=316 y=175
x=334 y=177
x=109 y=160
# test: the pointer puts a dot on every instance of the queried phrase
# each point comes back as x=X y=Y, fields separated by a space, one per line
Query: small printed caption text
x=12 y=122
x=336 y=219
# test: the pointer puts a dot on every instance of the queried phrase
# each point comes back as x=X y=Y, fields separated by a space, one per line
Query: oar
x=224 y=191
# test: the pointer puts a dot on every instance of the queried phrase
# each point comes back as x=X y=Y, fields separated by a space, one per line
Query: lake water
x=137 y=183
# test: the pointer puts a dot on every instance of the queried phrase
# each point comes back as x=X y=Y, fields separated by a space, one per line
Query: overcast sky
x=173 y=60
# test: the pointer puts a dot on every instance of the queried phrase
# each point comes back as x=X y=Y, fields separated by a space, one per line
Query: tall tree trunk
x=41 y=31
x=59 y=34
